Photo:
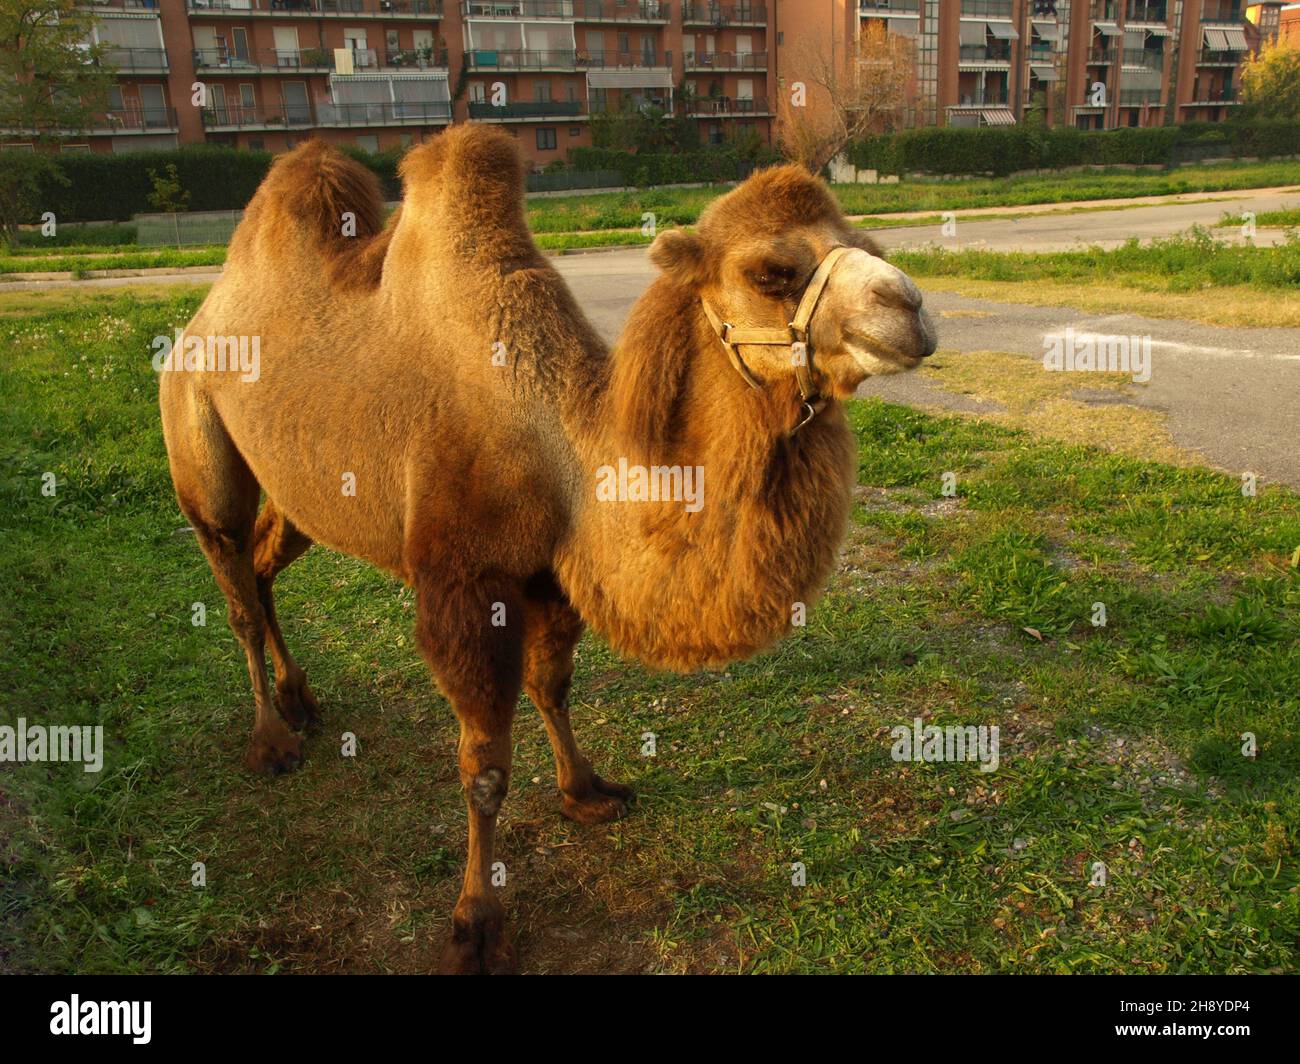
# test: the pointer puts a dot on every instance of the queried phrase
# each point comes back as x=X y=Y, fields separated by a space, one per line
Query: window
x=546 y=140
x=476 y=92
x=541 y=92
x=368 y=142
x=575 y=131
x=246 y=97
x=74 y=149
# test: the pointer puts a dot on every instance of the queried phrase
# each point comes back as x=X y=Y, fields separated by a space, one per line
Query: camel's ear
x=680 y=255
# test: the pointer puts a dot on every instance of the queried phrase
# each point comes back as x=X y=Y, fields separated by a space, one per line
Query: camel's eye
x=775 y=278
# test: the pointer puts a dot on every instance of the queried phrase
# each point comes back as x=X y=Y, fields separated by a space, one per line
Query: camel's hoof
x=274 y=753
x=479 y=946
x=599 y=805
x=297 y=705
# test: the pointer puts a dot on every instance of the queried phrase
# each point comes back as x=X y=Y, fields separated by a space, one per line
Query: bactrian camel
x=432 y=399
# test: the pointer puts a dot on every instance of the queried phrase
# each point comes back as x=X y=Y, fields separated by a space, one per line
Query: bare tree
x=846 y=98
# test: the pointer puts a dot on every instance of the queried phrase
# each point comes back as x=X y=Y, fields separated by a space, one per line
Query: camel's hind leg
x=277 y=543
x=218 y=494
x=551 y=630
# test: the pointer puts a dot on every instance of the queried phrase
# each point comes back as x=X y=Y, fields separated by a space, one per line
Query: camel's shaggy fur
x=440 y=365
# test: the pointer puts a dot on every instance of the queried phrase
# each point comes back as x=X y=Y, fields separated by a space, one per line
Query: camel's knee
x=487 y=790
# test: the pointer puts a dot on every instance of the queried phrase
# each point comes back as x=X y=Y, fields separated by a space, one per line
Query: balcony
x=1150 y=13
x=740 y=61
x=989 y=8
x=311 y=60
x=988 y=98
x=483 y=111
x=138 y=120
x=1216 y=96
x=1139 y=97
x=698 y=14
x=236 y=116
x=1210 y=57
x=1104 y=10
x=724 y=107
x=889 y=7
x=396 y=9
x=122 y=5
x=1101 y=56
x=993 y=52
x=610 y=11
x=136 y=60
x=525 y=59
x=1220 y=11
x=1140 y=57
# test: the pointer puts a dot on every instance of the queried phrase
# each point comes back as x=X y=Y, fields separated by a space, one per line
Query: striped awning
x=1108 y=29
x=1159 y=31
x=1236 y=37
x=1215 y=39
x=630 y=79
x=998 y=116
x=1044 y=72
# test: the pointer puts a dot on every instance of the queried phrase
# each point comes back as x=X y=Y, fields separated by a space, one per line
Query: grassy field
x=1120 y=744
x=1265 y=220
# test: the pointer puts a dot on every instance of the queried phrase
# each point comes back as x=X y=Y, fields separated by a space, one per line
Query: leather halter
x=793 y=335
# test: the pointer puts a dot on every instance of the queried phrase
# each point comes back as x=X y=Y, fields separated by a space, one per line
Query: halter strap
x=796 y=332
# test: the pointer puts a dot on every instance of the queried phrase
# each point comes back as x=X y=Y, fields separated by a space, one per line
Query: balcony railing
x=993 y=8
x=319 y=8
x=524 y=59
x=1104 y=10
x=726 y=60
x=579 y=10
x=235 y=116
x=983 y=99
x=1101 y=56
x=891 y=7
x=1228 y=95
x=1220 y=11
x=123 y=5
x=1138 y=97
x=1209 y=57
x=722 y=105
x=134 y=59
x=308 y=60
x=534 y=109
x=1140 y=57
x=1143 y=12
x=704 y=14
x=611 y=11
x=999 y=52
x=382 y=114
x=138 y=120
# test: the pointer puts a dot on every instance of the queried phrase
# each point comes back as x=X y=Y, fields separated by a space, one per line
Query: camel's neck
x=702 y=525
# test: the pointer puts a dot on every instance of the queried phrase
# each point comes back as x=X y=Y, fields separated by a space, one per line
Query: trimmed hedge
x=1000 y=151
x=664 y=168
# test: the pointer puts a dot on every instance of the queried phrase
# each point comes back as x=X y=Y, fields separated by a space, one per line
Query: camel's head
x=752 y=258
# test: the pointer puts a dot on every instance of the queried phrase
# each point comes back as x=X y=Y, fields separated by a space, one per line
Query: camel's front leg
x=551 y=630
x=477 y=662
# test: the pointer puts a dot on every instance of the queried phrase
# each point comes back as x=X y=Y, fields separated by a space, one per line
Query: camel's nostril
x=895 y=292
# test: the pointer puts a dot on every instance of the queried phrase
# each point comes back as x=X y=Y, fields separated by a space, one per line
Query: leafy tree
x=52 y=80
x=167 y=194
x=1270 y=83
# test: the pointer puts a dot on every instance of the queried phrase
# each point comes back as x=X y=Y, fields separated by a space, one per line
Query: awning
x=1236 y=37
x=1004 y=31
x=998 y=116
x=1043 y=72
x=1159 y=31
x=973 y=32
x=1047 y=31
x=630 y=79
x=1215 y=39
x=1107 y=29
x=1134 y=40
x=905 y=27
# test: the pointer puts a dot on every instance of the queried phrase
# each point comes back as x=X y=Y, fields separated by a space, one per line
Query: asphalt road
x=1233 y=395
x=1106 y=228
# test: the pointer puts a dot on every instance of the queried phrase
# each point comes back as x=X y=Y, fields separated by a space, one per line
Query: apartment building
x=1092 y=64
x=383 y=73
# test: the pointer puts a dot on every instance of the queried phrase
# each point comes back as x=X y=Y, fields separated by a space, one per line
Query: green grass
x=67 y=236
x=1119 y=744
x=82 y=259
x=1176 y=264
x=1264 y=219
x=682 y=206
